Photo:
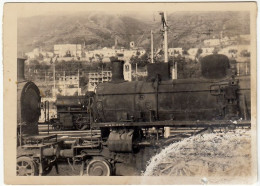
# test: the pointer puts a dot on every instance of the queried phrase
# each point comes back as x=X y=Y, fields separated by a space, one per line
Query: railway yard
x=133 y=123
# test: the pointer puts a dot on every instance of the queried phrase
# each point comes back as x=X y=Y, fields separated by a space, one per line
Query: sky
x=34 y=9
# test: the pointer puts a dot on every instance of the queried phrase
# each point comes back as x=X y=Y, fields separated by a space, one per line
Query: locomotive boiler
x=217 y=95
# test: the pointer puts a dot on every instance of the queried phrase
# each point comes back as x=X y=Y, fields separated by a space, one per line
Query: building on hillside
x=175 y=52
x=37 y=52
x=127 y=71
x=67 y=85
x=89 y=54
x=212 y=42
x=48 y=54
x=68 y=50
x=192 y=52
x=68 y=80
x=66 y=91
x=106 y=60
x=225 y=41
x=34 y=54
x=106 y=53
x=229 y=51
x=206 y=51
x=129 y=53
x=235 y=51
x=98 y=77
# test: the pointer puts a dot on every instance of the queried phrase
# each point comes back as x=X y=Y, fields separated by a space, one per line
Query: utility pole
x=115 y=41
x=102 y=73
x=45 y=78
x=54 y=87
x=136 y=72
x=78 y=83
x=152 y=47
x=165 y=39
x=64 y=82
x=167 y=130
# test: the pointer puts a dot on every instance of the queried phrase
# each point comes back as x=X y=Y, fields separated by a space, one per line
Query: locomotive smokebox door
x=66 y=120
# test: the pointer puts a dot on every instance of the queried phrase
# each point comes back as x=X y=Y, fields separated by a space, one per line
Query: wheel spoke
x=29 y=171
x=28 y=166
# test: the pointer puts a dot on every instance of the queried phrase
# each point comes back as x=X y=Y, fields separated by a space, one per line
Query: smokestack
x=20 y=69
x=155 y=69
x=117 y=70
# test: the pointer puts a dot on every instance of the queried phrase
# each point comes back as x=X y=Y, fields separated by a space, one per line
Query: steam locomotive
x=217 y=95
x=72 y=112
x=127 y=112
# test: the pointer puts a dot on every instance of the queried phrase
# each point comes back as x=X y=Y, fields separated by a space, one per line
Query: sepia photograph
x=147 y=90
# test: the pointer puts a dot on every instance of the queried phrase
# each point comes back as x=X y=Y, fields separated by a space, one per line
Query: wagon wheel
x=183 y=168
x=57 y=127
x=25 y=166
x=98 y=167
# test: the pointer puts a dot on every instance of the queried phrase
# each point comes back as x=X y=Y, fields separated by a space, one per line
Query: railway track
x=176 y=133
x=71 y=135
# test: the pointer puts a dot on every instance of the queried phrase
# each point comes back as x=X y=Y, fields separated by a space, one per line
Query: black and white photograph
x=134 y=89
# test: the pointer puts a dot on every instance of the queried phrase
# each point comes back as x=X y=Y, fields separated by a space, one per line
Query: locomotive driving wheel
x=26 y=167
x=98 y=167
x=81 y=122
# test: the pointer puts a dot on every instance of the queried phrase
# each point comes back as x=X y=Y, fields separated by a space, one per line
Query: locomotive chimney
x=117 y=70
x=158 y=69
x=20 y=69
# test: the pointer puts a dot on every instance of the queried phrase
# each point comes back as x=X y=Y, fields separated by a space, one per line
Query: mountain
x=97 y=29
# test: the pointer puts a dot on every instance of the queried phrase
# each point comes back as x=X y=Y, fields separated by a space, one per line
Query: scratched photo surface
x=105 y=90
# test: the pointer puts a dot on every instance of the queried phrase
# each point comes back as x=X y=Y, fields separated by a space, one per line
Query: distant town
x=101 y=58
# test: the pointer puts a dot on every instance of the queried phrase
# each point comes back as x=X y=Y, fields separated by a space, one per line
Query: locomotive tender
x=126 y=112
x=72 y=112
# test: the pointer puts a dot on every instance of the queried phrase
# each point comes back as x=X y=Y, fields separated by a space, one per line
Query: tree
x=40 y=57
x=141 y=61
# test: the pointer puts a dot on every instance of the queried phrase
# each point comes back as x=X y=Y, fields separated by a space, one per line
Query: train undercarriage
x=120 y=149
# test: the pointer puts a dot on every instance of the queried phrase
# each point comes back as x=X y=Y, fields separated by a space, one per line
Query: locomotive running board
x=174 y=123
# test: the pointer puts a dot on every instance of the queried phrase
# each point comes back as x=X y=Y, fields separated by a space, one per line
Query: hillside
x=98 y=29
